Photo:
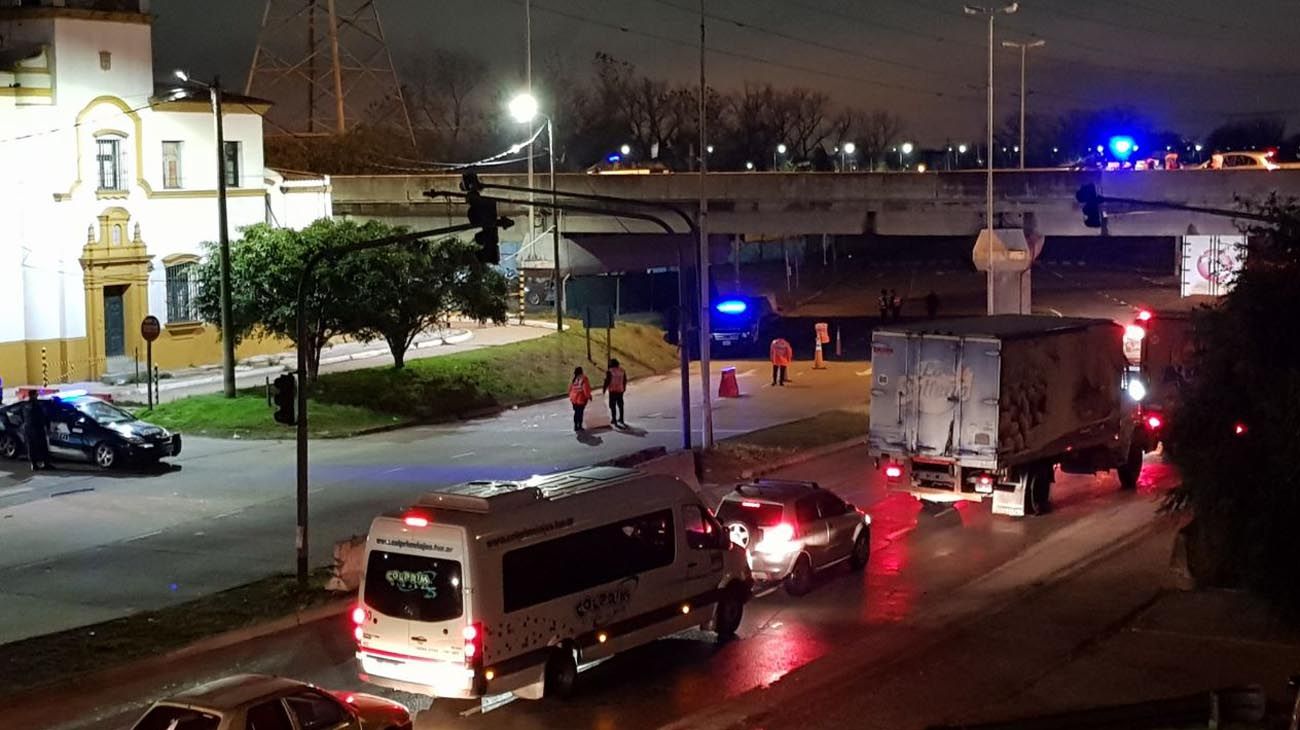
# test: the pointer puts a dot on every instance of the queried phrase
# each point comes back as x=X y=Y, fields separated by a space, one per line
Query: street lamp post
x=961 y=150
x=223 y=235
x=991 y=13
x=904 y=151
x=524 y=109
x=847 y=150
x=1024 y=53
x=776 y=156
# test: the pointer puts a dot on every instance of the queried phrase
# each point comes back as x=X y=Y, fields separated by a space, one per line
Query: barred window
x=182 y=292
x=108 y=156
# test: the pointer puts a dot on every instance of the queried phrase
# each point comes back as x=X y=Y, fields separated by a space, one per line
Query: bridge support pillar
x=1012 y=257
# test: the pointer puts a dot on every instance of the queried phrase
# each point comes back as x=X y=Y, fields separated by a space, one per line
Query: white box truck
x=979 y=407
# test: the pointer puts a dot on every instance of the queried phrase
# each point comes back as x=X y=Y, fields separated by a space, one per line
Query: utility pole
x=1024 y=52
x=223 y=237
x=706 y=337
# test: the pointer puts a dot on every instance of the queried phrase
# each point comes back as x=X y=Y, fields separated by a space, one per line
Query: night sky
x=1186 y=64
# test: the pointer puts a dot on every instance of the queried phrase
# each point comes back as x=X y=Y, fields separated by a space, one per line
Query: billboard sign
x=1210 y=264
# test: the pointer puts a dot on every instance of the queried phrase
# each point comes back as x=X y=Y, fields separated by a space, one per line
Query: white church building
x=108 y=188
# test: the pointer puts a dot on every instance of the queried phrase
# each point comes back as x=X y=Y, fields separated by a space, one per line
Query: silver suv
x=791 y=529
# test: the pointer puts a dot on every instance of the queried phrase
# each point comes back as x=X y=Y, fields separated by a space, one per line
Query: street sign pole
x=150 y=328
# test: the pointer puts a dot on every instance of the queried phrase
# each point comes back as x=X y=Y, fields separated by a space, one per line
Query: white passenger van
x=488 y=588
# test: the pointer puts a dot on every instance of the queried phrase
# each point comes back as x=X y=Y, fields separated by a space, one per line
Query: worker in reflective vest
x=579 y=396
x=616 y=386
x=782 y=354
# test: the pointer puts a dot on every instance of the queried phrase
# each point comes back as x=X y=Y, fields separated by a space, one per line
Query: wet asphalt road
x=919 y=561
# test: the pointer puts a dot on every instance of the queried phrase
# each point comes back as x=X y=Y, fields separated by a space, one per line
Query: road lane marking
x=10 y=491
x=462 y=456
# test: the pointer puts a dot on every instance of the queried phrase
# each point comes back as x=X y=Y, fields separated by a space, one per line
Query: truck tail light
x=984 y=483
x=1135 y=332
x=893 y=471
x=1154 y=422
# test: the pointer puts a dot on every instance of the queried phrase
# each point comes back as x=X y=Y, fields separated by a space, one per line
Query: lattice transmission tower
x=326 y=65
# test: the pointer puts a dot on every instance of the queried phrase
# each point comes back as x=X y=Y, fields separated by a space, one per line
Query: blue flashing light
x=732 y=306
x=69 y=394
x=614 y=157
x=1122 y=146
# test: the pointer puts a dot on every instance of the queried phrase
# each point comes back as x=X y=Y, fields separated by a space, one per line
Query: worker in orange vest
x=781 y=353
x=616 y=386
x=579 y=396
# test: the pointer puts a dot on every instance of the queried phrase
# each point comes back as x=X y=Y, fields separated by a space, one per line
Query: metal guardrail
x=1215 y=709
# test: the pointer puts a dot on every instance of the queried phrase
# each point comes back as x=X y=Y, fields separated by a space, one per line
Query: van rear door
x=415 y=594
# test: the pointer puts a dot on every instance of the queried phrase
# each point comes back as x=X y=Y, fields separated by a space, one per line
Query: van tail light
x=1154 y=422
x=473 y=636
x=1135 y=332
x=359 y=615
x=1144 y=315
x=777 y=539
x=893 y=471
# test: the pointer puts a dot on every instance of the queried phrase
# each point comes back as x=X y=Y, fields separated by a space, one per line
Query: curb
x=803 y=456
x=114 y=674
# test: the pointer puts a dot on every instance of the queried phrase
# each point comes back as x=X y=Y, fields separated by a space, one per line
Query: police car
x=739 y=323
x=80 y=427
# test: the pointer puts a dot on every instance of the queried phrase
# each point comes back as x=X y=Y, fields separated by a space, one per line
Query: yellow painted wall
x=175 y=349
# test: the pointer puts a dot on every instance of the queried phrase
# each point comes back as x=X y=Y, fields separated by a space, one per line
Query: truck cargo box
x=995 y=392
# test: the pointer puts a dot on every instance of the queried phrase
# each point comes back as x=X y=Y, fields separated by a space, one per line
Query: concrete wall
x=904 y=203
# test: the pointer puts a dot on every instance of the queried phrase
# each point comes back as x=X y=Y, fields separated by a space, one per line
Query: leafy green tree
x=1237 y=432
x=265 y=266
x=409 y=289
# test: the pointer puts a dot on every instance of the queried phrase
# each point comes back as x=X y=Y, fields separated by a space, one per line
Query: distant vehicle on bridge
x=617 y=166
x=1247 y=160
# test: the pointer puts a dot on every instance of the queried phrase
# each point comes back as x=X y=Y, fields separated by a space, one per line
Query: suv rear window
x=166 y=717
x=759 y=514
x=414 y=587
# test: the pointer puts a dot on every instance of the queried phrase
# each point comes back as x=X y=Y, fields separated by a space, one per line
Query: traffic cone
x=818 y=362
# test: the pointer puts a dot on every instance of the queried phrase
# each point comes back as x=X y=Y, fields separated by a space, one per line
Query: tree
x=878 y=133
x=265 y=267
x=1251 y=134
x=448 y=100
x=1236 y=434
x=411 y=288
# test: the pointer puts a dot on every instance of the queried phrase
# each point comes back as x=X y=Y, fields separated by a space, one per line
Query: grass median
x=42 y=660
x=736 y=455
x=431 y=388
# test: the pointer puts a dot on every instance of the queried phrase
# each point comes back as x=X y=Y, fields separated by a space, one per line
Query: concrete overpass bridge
x=887 y=204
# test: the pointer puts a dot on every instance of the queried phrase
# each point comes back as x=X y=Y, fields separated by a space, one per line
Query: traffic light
x=482 y=213
x=286 y=399
x=1087 y=196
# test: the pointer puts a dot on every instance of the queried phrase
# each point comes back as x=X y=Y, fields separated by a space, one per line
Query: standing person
x=781 y=353
x=895 y=304
x=884 y=305
x=615 y=385
x=579 y=396
x=38 y=447
x=932 y=305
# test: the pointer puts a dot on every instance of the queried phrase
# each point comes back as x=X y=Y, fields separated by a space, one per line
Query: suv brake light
x=893 y=471
x=777 y=539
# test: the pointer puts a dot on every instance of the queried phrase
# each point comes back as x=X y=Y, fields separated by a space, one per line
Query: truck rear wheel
x=1038 y=491
x=1131 y=469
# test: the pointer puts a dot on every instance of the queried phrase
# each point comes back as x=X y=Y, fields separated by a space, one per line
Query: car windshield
x=166 y=717
x=415 y=587
x=105 y=413
x=759 y=514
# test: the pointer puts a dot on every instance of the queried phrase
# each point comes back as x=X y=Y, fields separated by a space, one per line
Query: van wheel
x=799 y=582
x=729 y=612
x=861 y=550
x=561 y=674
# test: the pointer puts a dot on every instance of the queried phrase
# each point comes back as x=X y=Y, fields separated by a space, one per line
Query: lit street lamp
x=223 y=233
x=847 y=152
x=776 y=156
x=991 y=13
x=749 y=166
x=524 y=109
x=625 y=150
x=904 y=151
x=1024 y=52
x=961 y=150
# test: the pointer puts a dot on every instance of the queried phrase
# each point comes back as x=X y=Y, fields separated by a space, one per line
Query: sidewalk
x=334 y=358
